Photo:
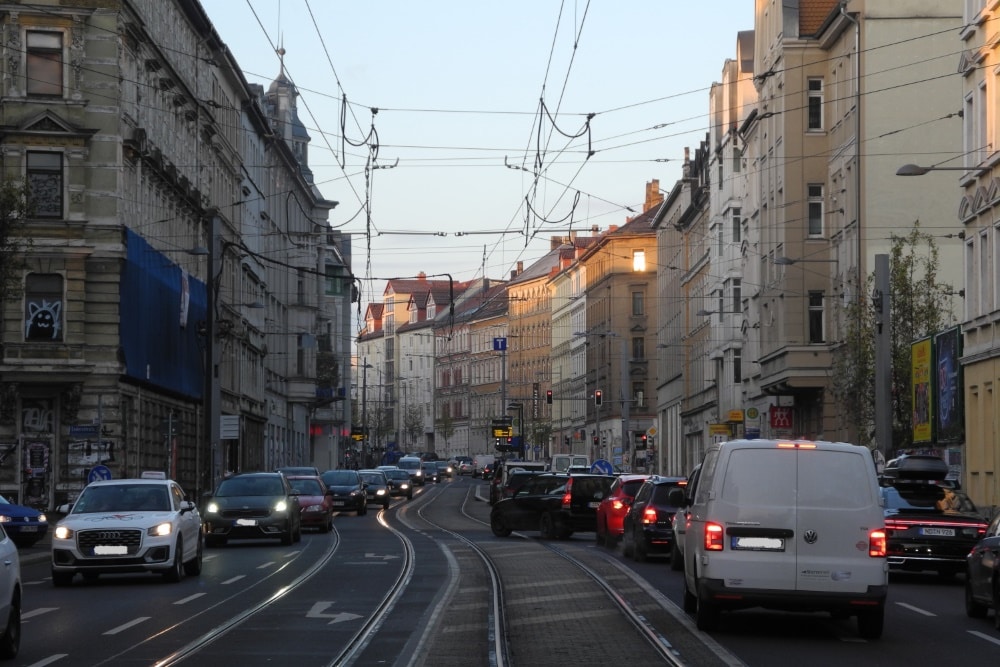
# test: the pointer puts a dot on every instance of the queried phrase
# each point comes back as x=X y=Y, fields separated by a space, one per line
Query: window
x=45 y=181
x=816 y=317
x=638 y=260
x=737 y=366
x=815 y=104
x=638 y=303
x=737 y=224
x=720 y=172
x=737 y=295
x=43 y=64
x=638 y=394
x=721 y=239
x=43 y=307
x=638 y=348
x=737 y=159
x=815 y=209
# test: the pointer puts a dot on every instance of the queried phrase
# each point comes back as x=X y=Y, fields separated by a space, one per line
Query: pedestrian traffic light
x=598 y=397
x=548 y=397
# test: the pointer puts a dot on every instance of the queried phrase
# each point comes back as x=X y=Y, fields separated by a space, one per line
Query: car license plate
x=110 y=550
x=29 y=529
x=339 y=503
x=938 y=532
x=593 y=505
x=758 y=543
x=246 y=522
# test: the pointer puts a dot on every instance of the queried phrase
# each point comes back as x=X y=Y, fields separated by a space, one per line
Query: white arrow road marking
x=320 y=607
x=385 y=557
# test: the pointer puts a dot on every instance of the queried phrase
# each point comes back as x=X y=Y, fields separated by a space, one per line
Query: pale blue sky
x=457 y=84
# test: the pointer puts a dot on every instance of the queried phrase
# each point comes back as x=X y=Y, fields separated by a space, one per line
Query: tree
x=14 y=243
x=445 y=427
x=919 y=307
x=413 y=422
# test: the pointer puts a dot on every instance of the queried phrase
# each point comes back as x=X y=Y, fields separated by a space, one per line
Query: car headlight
x=62 y=533
x=380 y=492
x=404 y=486
x=313 y=508
x=4 y=518
x=281 y=506
x=355 y=493
x=43 y=518
x=160 y=530
x=420 y=473
x=212 y=508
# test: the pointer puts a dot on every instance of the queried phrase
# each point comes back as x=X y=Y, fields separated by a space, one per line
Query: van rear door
x=837 y=510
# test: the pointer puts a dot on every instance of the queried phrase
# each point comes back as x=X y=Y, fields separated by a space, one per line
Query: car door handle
x=7 y=563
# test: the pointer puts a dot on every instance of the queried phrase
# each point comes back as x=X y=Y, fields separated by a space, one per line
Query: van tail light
x=713 y=537
x=876 y=544
x=649 y=515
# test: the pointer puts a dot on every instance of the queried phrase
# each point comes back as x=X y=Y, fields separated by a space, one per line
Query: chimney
x=520 y=267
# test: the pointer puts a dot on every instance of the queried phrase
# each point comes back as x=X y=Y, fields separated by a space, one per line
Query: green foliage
x=413 y=422
x=14 y=243
x=327 y=370
x=445 y=427
x=919 y=307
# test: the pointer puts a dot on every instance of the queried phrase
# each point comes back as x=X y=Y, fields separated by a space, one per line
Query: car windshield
x=927 y=497
x=340 y=478
x=409 y=465
x=251 y=486
x=123 y=498
x=373 y=478
x=307 y=487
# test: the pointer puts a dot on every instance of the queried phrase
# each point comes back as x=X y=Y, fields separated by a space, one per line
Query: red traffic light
x=548 y=397
x=598 y=397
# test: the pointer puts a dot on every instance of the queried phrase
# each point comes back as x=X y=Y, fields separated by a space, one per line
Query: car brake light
x=649 y=515
x=568 y=496
x=713 y=537
x=876 y=544
x=617 y=505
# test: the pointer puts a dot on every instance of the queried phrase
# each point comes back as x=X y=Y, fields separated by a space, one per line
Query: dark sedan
x=929 y=527
x=982 y=575
x=400 y=483
x=648 y=526
x=24 y=525
x=253 y=505
x=376 y=487
x=347 y=491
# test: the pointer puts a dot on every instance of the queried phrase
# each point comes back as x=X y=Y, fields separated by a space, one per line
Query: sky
x=459 y=136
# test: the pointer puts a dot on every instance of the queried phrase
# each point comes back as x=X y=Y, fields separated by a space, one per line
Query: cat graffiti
x=43 y=320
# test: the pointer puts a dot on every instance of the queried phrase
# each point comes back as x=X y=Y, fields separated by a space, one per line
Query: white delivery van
x=791 y=525
x=480 y=461
x=562 y=462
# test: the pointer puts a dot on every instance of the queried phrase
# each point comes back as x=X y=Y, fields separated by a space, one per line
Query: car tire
x=10 y=643
x=498 y=527
x=871 y=623
x=690 y=600
x=192 y=568
x=176 y=571
x=973 y=608
x=547 y=526
x=62 y=579
x=707 y=615
x=298 y=532
x=326 y=525
x=288 y=536
x=676 y=558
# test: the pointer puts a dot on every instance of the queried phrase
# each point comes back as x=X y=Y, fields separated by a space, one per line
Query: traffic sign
x=602 y=467
x=84 y=430
x=98 y=473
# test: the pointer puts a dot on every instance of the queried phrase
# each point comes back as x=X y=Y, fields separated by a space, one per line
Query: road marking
x=49 y=660
x=916 y=609
x=122 y=628
x=264 y=565
x=189 y=598
x=233 y=580
x=985 y=636
x=37 y=612
x=319 y=607
x=385 y=557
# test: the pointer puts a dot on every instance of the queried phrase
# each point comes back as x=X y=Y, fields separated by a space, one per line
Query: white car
x=10 y=598
x=128 y=525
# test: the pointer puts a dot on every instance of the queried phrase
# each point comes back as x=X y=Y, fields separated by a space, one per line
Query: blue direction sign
x=602 y=467
x=84 y=430
x=98 y=473
x=499 y=344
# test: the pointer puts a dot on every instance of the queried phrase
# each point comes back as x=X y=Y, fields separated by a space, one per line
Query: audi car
x=126 y=526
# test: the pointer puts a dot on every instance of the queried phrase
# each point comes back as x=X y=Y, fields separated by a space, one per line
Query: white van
x=480 y=461
x=791 y=525
x=562 y=462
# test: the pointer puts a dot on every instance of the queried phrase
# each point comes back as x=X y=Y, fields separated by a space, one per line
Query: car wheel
x=690 y=600
x=10 y=643
x=996 y=603
x=498 y=527
x=870 y=623
x=288 y=536
x=61 y=579
x=409 y=496
x=639 y=554
x=193 y=567
x=298 y=532
x=706 y=615
x=326 y=525
x=176 y=571
x=676 y=559
x=973 y=608
x=547 y=526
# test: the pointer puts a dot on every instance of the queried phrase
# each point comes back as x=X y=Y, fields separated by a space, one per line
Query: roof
x=812 y=15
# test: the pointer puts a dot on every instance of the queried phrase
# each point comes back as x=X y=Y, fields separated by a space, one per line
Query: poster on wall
x=920 y=369
x=947 y=390
x=36 y=472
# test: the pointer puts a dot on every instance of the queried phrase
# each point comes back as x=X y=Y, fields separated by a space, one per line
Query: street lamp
x=364 y=411
x=917 y=170
x=789 y=261
x=706 y=313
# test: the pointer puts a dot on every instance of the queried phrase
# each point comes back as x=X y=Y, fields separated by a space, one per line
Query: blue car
x=24 y=525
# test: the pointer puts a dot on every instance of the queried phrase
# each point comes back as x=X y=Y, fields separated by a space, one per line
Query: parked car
x=315 y=501
x=376 y=487
x=982 y=575
x=23 y=525
x=347 y=490
x=399 y=482
x=556 y=505
x=648 y=527
x=128 y=525
x=253 y=505
x=10 y=598
x=614 y=507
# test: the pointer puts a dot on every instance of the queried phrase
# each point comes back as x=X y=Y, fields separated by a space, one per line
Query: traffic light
x=598 y=397
x=548 y=397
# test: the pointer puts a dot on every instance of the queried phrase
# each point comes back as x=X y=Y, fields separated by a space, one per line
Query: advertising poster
x=947 y=393
x=921 y=360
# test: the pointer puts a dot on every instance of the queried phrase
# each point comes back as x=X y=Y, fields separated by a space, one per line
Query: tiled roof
x=812 y=15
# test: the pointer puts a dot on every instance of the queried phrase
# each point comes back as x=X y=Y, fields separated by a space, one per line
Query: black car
x=515 y=479
x=555 y=504
x=982 y=575
x=929 y=527
x=400 y=483
x=253 y=506
x=430 y=473
x=348 y=491
x=648 y=526
x=376 y=487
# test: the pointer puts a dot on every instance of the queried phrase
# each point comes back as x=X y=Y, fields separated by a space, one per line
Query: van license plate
x=938 y=532
x=757 y=543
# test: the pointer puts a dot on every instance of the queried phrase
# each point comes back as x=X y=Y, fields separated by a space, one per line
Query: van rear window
x=760 y=477
x=840 y=479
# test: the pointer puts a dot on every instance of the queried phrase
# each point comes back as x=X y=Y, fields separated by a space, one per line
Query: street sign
x=499 y=344
x=98 y=473
x=84 y=430
x=602 y=467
